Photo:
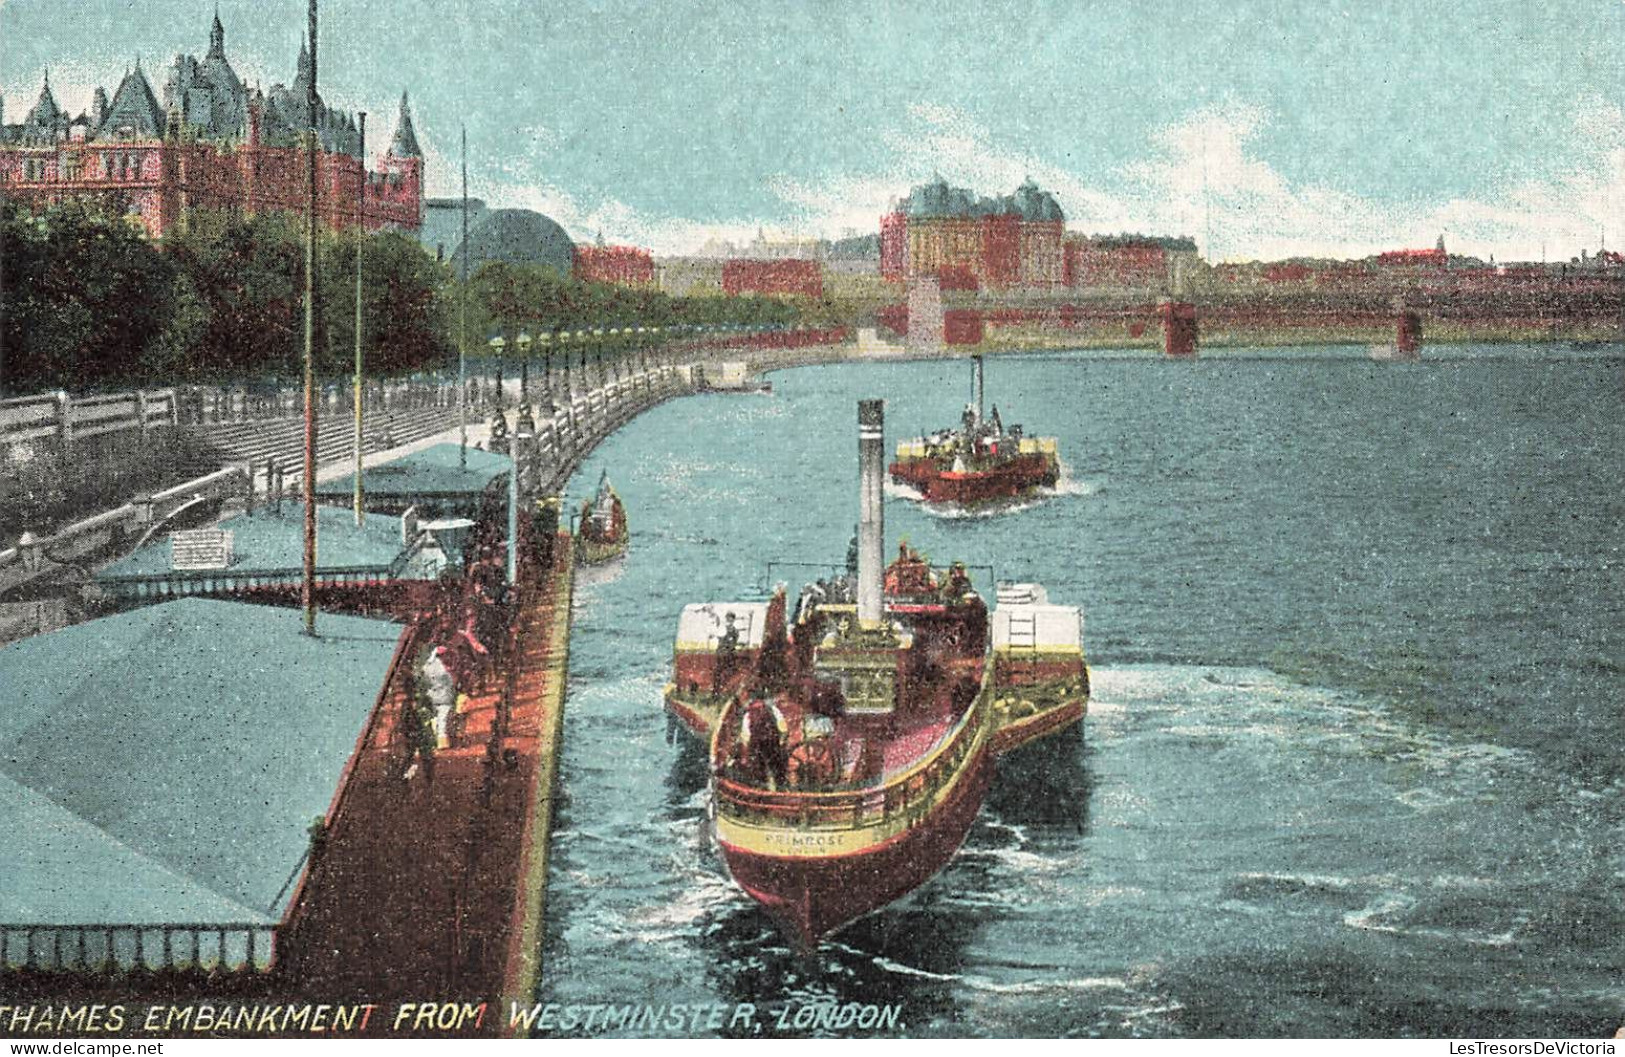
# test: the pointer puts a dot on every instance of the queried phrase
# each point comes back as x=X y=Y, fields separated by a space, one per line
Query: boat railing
x=899 y=796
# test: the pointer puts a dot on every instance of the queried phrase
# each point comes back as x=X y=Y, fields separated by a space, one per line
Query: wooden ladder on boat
x=1023 y=644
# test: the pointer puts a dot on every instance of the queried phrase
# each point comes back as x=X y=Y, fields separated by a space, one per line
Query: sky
x=1261 y=128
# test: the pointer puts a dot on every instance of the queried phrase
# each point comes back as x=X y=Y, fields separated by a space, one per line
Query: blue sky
x=1261 y=128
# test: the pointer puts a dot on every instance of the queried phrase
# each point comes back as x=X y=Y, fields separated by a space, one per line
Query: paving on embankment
x=428 y=880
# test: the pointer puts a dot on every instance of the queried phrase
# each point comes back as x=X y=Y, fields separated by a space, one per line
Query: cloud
x=1208 y=181
x=1210 y=177
x=1204 y=176
x=513 y=185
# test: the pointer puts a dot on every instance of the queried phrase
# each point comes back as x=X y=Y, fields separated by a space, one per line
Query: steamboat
x=601 y=532
x=851 y=743
x=979 y=462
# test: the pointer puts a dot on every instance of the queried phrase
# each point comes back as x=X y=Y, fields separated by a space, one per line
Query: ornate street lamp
x=498 y=344
x=523 y=341
x=545 y=339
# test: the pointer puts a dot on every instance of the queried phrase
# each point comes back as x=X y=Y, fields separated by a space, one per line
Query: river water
x=1352 y=765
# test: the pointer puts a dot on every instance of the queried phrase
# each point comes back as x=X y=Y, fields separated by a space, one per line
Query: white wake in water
x=1066 y=486
x=980 y=983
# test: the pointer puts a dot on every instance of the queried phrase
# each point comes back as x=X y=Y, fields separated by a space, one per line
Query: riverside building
x=213 y=143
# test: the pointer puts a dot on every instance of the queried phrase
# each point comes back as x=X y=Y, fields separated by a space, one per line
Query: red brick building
x=1413 y=259
x=1013 y=241
x=621 y=265
x=788 y=276
x=1417 y=260
x=215 y=144
x=1135 y=262
x=894 y=246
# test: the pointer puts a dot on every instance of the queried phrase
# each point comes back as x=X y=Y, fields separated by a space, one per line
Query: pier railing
x=122 y=946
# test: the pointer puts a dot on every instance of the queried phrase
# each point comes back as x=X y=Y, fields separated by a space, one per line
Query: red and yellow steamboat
x=981 y=462
x=851 y=745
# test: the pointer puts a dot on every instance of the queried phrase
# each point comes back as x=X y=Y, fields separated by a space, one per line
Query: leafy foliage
x=86 y=302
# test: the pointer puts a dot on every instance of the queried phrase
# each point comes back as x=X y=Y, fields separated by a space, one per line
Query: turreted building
x=213 y=143
x=950 y=234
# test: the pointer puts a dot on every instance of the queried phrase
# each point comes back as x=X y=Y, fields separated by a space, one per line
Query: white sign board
x=200 y=549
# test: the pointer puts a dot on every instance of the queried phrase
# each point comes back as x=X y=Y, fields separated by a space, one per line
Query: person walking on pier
x=434 y=693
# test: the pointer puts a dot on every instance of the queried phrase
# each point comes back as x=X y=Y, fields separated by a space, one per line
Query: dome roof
x=1034 y=204
x=518 y=236
x=938 y=199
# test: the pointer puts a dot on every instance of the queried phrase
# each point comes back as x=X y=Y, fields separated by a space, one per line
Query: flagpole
x=462 y=326
x=360 y=237
x=308 y=587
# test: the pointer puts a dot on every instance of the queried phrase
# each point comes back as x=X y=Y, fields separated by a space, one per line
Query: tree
x=85 y=299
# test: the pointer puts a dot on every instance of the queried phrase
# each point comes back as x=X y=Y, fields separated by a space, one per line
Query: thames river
x=1352 y=765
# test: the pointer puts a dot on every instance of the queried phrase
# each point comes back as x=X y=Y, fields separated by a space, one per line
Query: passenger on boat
x=813 y=762
x=826 y=699
x=813 y=595
x=727 y=656
x=489 y=601
x=909 y=574
x=765 y=759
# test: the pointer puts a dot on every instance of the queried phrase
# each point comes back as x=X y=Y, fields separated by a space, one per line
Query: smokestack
x=976 y=387
x=871 y=510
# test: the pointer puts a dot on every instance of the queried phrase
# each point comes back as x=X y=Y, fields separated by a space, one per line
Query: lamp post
x=498 y=344
x=462 y=326
x=523 y=341
x=546 y=340
x=569 y=389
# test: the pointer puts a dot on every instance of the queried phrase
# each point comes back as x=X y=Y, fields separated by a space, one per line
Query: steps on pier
x=284 y=439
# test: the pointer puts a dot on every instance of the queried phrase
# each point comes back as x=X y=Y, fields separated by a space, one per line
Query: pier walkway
x=427 y=878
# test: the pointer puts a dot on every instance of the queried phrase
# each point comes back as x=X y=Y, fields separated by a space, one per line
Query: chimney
x=871 y=510
x=976 y=387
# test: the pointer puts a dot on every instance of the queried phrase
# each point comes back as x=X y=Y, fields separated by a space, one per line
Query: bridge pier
x=1179 y=329
x=1407 y=333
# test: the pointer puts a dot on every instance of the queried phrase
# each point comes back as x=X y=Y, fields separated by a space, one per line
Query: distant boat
x=602 y=534
x=981 y=462
x=732 y=377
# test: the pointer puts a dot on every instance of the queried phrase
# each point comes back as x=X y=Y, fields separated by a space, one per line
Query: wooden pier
x=428 y=877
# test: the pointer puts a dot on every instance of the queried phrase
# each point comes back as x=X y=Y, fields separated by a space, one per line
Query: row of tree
x=87 y=302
